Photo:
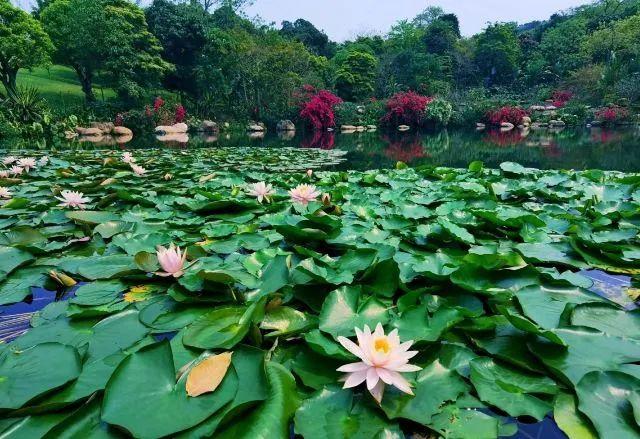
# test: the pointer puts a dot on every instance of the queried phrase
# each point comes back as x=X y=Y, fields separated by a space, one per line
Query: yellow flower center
x=382 y=345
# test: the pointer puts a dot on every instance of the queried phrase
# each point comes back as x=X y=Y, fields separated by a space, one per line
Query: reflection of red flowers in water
x=404 y=148
x=503 y=138
x=605 y=136
x=319 y=139
x=552 y=150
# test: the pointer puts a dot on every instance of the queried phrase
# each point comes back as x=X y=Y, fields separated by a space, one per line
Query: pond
x=579 y=149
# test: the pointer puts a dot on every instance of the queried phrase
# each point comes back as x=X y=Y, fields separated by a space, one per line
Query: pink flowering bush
x=512 y=115
x=317 y=108
x=406 y=108
x=561 y=97
x=612 y=115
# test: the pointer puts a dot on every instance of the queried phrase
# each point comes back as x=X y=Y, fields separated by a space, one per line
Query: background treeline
x=218 y=63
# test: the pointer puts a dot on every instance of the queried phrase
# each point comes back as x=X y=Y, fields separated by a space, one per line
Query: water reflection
x=594 y=148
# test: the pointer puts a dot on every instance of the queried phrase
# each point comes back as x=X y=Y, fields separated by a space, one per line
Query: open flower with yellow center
x=261 y=191
x=27 y=163
x=383 y=359
x=73 y=199
x=304 y=194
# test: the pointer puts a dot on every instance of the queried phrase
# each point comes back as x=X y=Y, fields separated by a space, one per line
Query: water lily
x=73 y=199
x=326 y=199
x=43 y=160
x=309 y=172
x=5 y=192
x=4 y=174
x=168 y=176
x=16 y=170
x=27 y=163
x=9 y=160
x=383 y=359
x=138 y=170
x=171 y=260
x=128 y=158
x=261 y=191
x=304 y=193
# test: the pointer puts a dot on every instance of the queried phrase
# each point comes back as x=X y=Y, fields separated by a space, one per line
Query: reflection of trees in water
x=503 y=138
x=403 y=147
x=319 y=139
x=600 y=135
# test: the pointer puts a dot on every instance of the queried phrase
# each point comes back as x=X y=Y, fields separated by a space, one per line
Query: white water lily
x=261 y=191
x=171 y=260
x=73 y=199
x=128 y=158
x=43 y=160
x=304 y=193
x=383 y=359
x=16 y=170
x=9 y=160
x=138 y=170
x=5 y=192
x=27 y=163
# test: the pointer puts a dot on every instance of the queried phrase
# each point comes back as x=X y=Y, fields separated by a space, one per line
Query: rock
x=557 y=123
x=208 y=126
x=347 y=128
x=360 y=109
x=105 y=127
x=285 y=125
x=121 y=131
x=70 y=135
x=256 y=127
x=480 y=126
x=286 y=135
x=330 y=130
x=537 y=108
x=92 y=138
x=550 y=108
x=360 y=129
x=124 y=138
x=507 y=126
x=181 y=128
x=372 y=127
x=256 y=134
x=89 y=131
x=164 y=129
x=404 y=128
x=526 y=121
x=174 y=137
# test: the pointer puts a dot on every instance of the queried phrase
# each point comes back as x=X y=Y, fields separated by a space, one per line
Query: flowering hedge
x=406 y=108
x=317 y=108
x=513 y=115
x=612 y=115
x=561 y=97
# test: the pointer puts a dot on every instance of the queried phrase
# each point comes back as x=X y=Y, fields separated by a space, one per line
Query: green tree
x=107 y=36
x=315 y=40
x=23 y=44
x=497 y=53
x=355 y=78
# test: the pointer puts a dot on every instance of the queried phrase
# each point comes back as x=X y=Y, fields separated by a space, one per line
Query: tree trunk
x=86 y=81
x=8 y=78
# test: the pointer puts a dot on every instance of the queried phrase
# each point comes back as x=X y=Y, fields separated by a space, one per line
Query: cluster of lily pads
x=231 y=293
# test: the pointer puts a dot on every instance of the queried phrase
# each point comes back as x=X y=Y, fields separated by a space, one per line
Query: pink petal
x=385 y=375
x=372 y=378
x=351 y=347
x=353 y=367
x=378 y=391
x=405 y=368
x=355 y=379
x=401 y=383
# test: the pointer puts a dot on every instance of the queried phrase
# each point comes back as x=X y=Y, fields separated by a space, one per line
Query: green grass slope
x=59 y=86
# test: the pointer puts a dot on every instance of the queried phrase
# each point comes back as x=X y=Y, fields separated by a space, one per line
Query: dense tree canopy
x=108 y=36
x=23 y=44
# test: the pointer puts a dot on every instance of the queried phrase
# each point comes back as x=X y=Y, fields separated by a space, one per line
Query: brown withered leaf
x=208 y=374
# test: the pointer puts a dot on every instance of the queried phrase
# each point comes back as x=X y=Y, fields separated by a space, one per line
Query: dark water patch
x=614 y=287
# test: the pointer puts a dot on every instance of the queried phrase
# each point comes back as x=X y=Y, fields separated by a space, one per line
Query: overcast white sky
x=343 y=19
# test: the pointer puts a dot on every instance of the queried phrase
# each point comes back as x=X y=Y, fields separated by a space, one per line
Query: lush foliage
x=406 y=108
x=317 y=108
x=481 y=268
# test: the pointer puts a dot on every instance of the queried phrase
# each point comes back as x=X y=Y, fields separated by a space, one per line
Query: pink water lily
x=304 y=194
x=128 y=158
x=138 y=170
x=261 y=191
x=171 y=260
x=383 y=359
x=9 y=160
x=27 y=163
x=16 y=170
x=73 y=199
x=4 y=174
x=5 y=192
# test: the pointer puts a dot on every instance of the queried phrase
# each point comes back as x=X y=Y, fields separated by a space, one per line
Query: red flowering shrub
x=316 y=108
x=119 y=120
x=612 y=115
x=180 y=114
x=513 y=115
x=158 y=103
x=406 y=108
x=561 y=97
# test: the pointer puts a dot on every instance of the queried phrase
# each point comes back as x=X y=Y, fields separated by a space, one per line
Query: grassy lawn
x=59 y=85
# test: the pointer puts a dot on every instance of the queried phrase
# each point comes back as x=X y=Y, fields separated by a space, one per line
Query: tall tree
x=107 y=36
x=315 y=40
x=498 y=53
x=23 y=44
x=355 y=78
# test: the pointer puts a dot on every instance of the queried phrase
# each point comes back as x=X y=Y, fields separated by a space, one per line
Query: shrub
x=180 y=114
x=561 y=97
x=513 y=115
x=406 y=108
x=612 y=115
x=439 y=112
x=318 y=110
x=347 y=114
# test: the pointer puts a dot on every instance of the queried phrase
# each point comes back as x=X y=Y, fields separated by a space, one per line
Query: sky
x=345 y=19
